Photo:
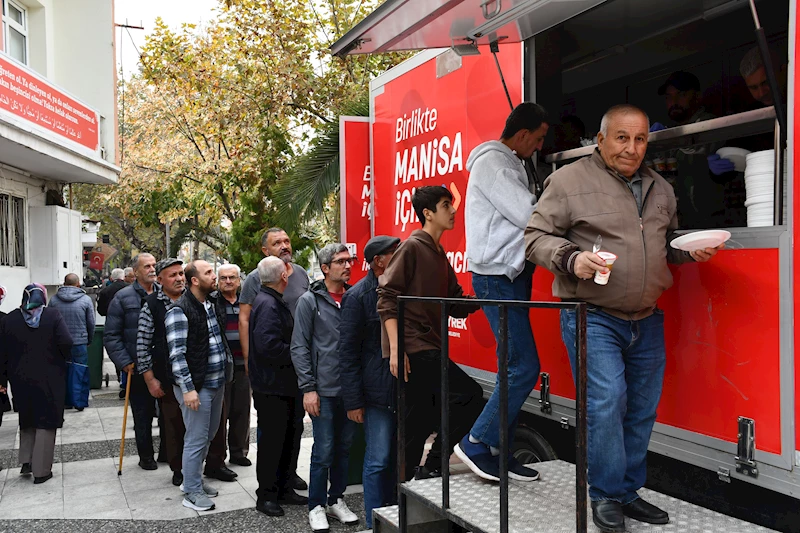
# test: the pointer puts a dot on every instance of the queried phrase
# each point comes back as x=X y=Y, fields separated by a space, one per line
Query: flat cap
x=166 y=263
x=683 y=81
x=378 y=245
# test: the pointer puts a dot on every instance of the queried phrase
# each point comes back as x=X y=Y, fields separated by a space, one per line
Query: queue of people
x=196 y=350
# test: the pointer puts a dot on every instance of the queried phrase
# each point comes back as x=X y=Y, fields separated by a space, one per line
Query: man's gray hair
x=117 y=273
x=327 y=253
x=135 y=262
x=270 y=270
x=129 y=270
x=751 y=62
x=229 y=266
x=620 y=109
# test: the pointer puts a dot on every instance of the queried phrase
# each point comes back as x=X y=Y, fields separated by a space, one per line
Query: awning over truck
x=421 y=24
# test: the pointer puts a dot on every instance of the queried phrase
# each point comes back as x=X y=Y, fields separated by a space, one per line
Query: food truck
x=730 y=401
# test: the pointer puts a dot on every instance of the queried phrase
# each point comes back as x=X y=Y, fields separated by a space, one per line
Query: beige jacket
x=586 y=199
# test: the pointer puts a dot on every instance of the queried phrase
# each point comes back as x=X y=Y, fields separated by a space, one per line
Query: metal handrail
x=581 y=488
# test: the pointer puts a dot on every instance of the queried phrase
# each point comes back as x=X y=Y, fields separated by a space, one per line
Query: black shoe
x=290 y=497
x=148 y=463
x=40 y=480
x=297 y=483
x=423 y=472
x=122 y=394
x=645 y=512
x=79 y=409
x=241 y=461
x=161 y=459
x=222 y=473
x=270 y=508
x=177 y=478
x=26 y=469
x=607 y=515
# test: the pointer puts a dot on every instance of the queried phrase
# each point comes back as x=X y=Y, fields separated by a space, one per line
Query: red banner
x=425 y=126
x=28 y=96
x=355 y=186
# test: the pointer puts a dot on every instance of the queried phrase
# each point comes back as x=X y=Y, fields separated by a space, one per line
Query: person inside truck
x=755 y=76
x=498 y=192
x=633 y=209
x=702 y=175
x=420 y=267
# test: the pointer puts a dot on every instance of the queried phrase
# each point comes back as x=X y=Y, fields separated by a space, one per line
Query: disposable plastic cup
x=609 y=258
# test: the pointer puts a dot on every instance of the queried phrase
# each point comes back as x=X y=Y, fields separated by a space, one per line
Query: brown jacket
x=419 y=267
x=586 y=199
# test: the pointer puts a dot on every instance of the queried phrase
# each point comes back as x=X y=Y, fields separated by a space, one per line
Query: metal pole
x=769 y=69
x=777 y=193
x=502 y=371
x=401 y=416
x=168 y=241
x=444 y=428
x=581 y=461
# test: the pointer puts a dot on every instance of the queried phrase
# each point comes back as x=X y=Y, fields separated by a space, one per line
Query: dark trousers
x=173 y=429
x=423 y=408
x=277 y=420
x=218 y=448
x=143 y=407
x=238 y=401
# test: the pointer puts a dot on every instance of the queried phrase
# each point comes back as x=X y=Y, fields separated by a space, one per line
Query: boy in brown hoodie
x=420 y=268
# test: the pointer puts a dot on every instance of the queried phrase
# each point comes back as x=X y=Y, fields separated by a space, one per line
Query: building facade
x=58 y=125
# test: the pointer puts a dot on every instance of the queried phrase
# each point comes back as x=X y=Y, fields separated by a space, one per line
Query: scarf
x=3 y=293
x=34 y=299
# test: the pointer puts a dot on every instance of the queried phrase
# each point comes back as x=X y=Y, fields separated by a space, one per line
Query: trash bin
x=96 y=358
x=355 y=468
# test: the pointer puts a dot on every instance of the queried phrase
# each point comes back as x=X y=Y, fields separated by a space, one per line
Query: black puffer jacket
x=364 y=373
x=270 y=359
x=122 y=324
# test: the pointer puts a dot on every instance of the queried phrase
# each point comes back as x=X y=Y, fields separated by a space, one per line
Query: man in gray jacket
x=498 y=206
x=315 y=357
x=78 y=311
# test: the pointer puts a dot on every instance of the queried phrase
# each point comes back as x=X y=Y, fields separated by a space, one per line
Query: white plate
x=735 y=155
x=699 y=240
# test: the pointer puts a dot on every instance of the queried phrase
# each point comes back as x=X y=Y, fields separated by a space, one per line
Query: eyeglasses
x=350 y=261
x=227 y=278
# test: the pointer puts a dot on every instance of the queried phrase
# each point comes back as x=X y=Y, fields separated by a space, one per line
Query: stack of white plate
x=759 y=181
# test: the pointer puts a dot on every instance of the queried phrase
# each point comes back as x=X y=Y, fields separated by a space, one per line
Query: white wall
x=15 y=279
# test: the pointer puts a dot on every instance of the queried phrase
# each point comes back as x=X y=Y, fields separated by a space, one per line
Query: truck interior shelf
x=744 y=124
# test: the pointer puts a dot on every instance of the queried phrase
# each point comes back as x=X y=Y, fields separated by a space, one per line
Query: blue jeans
x=78 y=377
x=625 y=369
x=333 y=435
x=523 y=359
x=379 y=458
x=201 y=426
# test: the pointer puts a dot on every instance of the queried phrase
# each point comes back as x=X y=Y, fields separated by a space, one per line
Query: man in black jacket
x=275 y=393
x=367 y=383
x=119 y=338
x=105 y=296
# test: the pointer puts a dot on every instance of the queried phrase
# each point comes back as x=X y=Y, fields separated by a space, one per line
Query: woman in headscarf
x=33 y=357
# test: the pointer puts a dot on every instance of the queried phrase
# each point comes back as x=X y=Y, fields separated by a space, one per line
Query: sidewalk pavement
x=86 y=493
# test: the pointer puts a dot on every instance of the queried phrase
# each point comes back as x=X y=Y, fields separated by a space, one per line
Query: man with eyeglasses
x=315 y=357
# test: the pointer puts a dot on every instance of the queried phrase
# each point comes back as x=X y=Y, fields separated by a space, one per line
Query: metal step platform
x=544 y=506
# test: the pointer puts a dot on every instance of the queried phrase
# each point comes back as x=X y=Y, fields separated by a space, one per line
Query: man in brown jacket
x=633 y=210
x=420 y=267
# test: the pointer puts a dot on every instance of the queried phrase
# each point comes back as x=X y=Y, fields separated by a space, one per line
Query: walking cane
x=124 y=422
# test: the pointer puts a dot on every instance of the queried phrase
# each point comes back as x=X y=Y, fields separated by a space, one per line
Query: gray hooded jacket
x=498 y=206
x=315 y=339
x=78 y=311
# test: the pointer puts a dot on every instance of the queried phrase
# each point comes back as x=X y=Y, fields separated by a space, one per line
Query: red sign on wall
x=28 y=96
x=355 y=184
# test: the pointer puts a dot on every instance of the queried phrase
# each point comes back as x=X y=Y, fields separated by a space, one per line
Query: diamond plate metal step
x=545 y=506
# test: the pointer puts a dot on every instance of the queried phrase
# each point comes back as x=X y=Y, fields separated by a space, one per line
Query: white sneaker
x=340 y=512
x=318 y=520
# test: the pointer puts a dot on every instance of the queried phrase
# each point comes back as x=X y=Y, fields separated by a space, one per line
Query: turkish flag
x=96 y=261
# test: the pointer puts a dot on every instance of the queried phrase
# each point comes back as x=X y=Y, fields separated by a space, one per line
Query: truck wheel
x=530 y=447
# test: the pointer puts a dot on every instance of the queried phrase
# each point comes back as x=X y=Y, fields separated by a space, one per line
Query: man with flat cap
x=367 y=384
x=702 y=175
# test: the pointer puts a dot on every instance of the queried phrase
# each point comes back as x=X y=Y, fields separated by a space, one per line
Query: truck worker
x=611 y=194
x=420 y=268
x=499 y=204
x=368 y=388
x=702 y=175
